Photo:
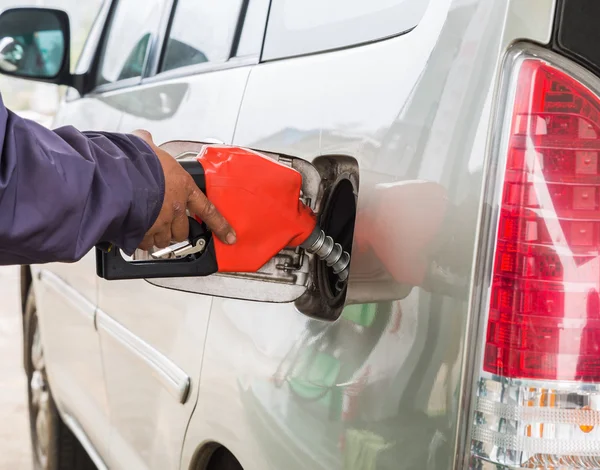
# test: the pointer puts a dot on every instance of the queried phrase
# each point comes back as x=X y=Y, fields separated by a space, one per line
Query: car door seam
x=197 y=397
x=239 y=111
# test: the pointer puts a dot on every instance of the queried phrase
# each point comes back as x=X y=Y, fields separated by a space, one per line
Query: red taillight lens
x=537 y=402
x=544 y=313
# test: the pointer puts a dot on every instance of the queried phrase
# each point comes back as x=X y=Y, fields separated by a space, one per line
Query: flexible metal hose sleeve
x=328 y=250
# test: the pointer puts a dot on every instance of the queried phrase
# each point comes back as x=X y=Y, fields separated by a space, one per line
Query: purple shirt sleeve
x=64 y=191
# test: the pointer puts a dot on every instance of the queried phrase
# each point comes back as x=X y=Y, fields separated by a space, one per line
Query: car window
x=201 y=31
x=133 y=25
x=253 y=32
x=298 y=27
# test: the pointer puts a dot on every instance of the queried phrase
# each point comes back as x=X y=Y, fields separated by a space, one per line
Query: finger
x=180 y=228
x=147 y=242
x=199 y=204
x=162 y=239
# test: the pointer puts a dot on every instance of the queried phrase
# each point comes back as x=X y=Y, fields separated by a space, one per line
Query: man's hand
x=181 y=193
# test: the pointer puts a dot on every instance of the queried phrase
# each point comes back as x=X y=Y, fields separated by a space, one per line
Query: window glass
x=132 y=27
x=254 y=29
x=201 y=31
x=298 y=27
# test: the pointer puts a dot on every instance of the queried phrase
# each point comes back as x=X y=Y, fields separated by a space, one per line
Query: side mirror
x=34 y=44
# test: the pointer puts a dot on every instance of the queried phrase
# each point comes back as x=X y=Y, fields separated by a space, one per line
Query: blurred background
x=38 y=102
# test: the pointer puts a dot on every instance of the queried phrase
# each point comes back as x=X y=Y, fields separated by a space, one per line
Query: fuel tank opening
x=325 y=298
x=337 y=221
x=328 y=250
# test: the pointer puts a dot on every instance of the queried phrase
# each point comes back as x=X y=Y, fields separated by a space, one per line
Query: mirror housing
x=35 y=45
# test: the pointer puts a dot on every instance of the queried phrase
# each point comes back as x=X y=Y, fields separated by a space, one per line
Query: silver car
x=451 y=146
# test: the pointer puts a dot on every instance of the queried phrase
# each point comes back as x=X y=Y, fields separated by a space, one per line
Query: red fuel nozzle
x=261 y=200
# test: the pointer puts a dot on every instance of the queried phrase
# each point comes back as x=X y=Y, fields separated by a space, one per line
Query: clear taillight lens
x=538 y=396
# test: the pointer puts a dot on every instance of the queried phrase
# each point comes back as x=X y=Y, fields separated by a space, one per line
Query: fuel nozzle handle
x=328 y=250
x=196 y=171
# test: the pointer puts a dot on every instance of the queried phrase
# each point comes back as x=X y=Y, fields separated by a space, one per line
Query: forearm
x=62 y=191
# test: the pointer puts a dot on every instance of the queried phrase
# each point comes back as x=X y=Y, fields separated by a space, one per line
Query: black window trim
x=239 y=27
x=164 y=30
x=573 y=44
x=155 y=44
x=93 y=41
x=195 y=69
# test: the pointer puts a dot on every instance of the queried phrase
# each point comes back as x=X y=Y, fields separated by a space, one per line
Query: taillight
x=538 y=393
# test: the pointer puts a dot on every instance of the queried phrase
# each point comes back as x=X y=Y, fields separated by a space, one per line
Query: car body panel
x=412 y=108
x=153 y=336
x=279 y=389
